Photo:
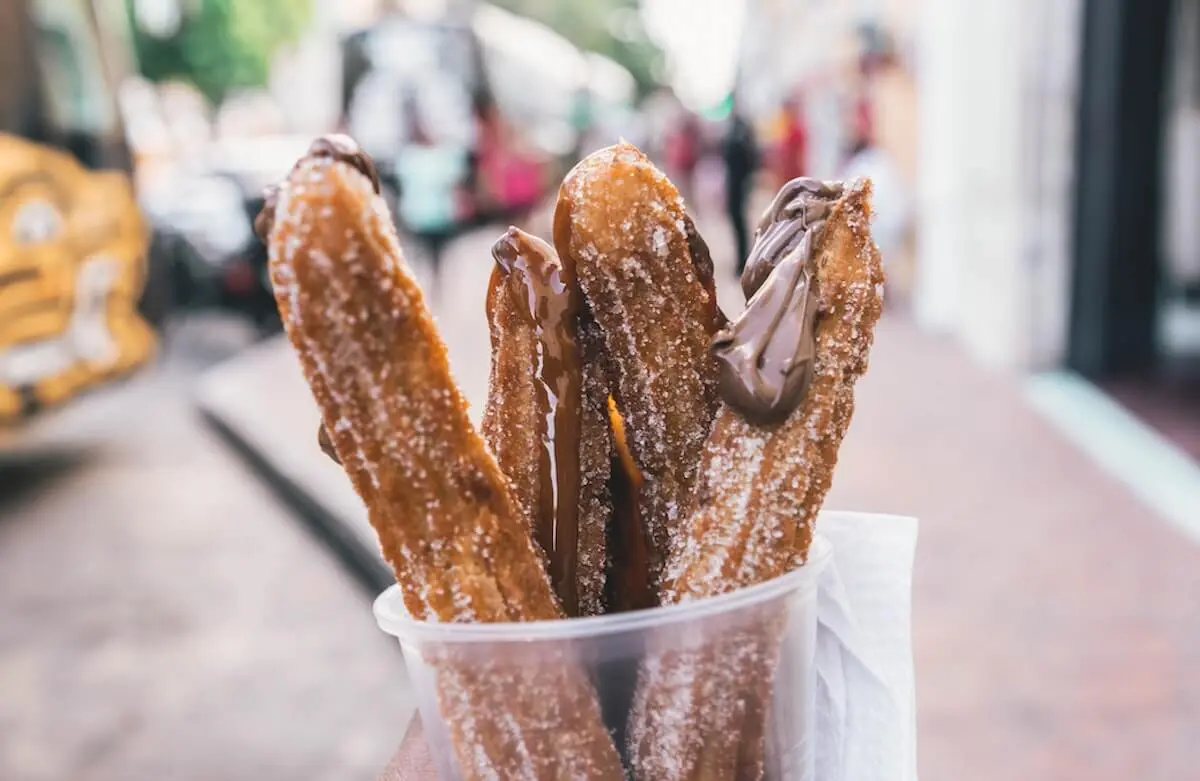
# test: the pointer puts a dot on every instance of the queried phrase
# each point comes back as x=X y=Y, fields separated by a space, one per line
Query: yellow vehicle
x=73 y=243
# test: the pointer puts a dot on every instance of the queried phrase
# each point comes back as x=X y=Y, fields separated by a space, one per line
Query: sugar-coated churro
x=621 y=225
x=788 y=368
x=434 y=493
x=637 y=449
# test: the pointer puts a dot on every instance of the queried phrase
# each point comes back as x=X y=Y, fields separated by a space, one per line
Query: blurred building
x=997 y=98
x=1056 y=170
x=1060 y=179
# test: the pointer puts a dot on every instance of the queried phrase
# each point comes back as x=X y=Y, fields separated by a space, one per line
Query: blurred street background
x=185 y=580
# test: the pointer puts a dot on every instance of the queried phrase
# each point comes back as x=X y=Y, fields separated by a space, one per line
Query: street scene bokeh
x=186 y=580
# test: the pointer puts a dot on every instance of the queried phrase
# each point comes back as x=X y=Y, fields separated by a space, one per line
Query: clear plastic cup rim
x=393 y=619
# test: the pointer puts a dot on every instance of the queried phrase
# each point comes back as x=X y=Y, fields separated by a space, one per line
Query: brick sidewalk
x=1057 y=630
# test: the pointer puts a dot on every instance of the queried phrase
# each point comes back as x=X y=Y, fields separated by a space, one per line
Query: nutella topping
x=800 y=204
x=335 y=146
x=529 y=269
x=325 y=442
x=766 y=356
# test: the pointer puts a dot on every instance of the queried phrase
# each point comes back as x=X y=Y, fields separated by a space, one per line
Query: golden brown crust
x=762 y=487
x=434 y=494
x=759 y=494
x=595 y=466
x=857 y=304
x=379 y=371
x=622 y=225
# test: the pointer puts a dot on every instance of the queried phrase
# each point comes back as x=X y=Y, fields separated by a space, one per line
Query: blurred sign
x=72 y=255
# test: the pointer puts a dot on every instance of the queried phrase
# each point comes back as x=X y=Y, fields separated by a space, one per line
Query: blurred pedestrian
x=432 y=174
x=488 y=143
x=862 y=116
x=740 y=152
x=683 y=153
x=791 y=154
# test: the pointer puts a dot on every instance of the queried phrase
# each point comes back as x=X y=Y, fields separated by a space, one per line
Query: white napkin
x=866 y=701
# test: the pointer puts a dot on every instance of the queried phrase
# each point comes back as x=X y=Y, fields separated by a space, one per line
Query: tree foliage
x=222 y=45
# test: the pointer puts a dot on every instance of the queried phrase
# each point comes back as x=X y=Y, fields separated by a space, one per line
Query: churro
x=596 y=505
x=621 y=226
x=435 y=495
x=788 y=368
x=636 y=447
x=541 y=419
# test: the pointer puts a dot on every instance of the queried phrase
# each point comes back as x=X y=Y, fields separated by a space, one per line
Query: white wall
x=994 y=192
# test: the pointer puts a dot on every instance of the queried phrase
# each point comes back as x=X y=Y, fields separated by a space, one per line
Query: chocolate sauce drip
x=546 y=295
x=767 y=355
x=336 y=146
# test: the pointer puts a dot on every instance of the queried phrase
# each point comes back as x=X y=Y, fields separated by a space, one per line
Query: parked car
x=204 y=219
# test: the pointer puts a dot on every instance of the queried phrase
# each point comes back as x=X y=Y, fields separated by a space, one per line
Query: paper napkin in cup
x=866 y=701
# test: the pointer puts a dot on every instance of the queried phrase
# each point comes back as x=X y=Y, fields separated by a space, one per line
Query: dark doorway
x=1118 y=181
x=1134 y=310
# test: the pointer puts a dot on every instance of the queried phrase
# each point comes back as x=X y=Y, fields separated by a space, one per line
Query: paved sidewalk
x=162 y=615
x=1056 y=620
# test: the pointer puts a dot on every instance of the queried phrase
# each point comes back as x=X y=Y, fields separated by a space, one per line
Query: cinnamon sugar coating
x=435 y=495
x=621 y=224
x=595 y=466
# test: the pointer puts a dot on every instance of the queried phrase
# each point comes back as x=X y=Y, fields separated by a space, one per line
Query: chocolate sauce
x=767 y=355
x=325 y=442
x=336 y=146
x=545 y=293
x=799 y=205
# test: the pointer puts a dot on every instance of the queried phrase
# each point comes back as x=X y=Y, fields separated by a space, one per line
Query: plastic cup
x=782 y=613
